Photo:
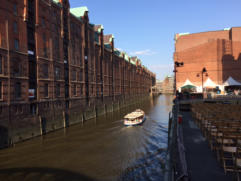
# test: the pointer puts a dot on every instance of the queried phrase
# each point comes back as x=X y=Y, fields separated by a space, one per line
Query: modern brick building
x=55 y=64
x=218 y=51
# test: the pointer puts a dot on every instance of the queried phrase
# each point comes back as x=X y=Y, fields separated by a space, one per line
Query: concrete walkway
x=201 y=161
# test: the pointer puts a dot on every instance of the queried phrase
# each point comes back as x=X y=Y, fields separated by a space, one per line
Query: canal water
x=100 y=149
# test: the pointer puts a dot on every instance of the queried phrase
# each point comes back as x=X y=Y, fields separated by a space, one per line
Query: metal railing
x=176 y=165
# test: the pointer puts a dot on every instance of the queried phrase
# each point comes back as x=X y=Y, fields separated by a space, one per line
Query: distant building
x=158 y=86
x=217 y=51
x=167 y=85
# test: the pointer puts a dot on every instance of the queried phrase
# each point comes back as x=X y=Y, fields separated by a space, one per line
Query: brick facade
x=218 y=51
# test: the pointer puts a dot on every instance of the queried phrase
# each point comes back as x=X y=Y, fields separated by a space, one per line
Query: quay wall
x=21 y=129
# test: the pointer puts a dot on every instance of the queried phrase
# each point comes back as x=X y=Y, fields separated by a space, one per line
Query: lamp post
x=204 y=70
x=176 y=64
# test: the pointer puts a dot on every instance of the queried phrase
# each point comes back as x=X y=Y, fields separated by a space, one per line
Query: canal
x=100 y=149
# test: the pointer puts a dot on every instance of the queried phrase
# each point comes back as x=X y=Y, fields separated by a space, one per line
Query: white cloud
x=143 y=52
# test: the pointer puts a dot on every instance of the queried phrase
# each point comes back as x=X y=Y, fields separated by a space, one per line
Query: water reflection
x=101 y=149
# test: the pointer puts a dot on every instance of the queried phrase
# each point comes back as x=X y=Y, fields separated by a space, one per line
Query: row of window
x=17 y=87
x=57 y=90
x=18 y=90
x=17 y=69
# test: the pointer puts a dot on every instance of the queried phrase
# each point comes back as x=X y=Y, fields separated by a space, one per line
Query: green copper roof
x=108 y=46
x=133 y=62
x=226 y=29
x=79 y=12
x=183 y=34
x=126 y=57
x=117 y=52
x=57 y=2
x=97 y=37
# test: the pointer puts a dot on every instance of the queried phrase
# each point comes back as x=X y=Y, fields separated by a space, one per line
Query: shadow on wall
x=3 y=137
x=47 y=174
x=231 y=67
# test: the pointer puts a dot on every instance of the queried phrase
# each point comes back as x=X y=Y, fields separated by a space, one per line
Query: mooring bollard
x=179 y=120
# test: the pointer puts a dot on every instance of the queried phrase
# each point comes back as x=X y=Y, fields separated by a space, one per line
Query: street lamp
x=176 y=64
x=202 y=72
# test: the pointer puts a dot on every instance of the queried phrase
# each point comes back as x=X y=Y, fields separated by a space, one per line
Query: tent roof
x=187 y=82
x=230 y=81
x=209 y=83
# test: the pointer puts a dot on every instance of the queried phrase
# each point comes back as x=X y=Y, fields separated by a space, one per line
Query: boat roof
x=136 y=114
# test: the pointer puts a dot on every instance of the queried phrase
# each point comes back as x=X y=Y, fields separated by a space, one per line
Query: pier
x=197 y=143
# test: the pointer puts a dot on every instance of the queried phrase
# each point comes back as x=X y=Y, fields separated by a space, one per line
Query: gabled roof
x=98 y=28
x=126 y=57
x=79 y=12
x=133 y=60
x=108 y=39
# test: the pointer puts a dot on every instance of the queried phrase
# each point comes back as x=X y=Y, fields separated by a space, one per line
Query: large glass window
x=74 y=75
x=15 y=9
x=17 y=68
x=1 y=90
x=45 y=70
x=46 y=90
x=43 y=23
x=16 y=44
x=44 y=45
x=56 y=46
x=75 y=92
x=1 y=65
x=57 y=90
x=81 y=75
x=18 y=90
x=81 y=89
x=15 y=27
x=57 y=73
x=0 y=40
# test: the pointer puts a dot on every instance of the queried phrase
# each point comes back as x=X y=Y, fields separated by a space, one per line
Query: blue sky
x=146 y=28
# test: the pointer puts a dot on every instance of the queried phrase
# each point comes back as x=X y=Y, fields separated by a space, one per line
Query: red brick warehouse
x=218 y=51
x=56 y=68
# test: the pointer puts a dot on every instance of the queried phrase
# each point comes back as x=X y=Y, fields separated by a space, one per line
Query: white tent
x=230 y=82
x=188 y=82
x=209 y=83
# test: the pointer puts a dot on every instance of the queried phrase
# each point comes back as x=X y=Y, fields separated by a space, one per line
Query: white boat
x=135 y=118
